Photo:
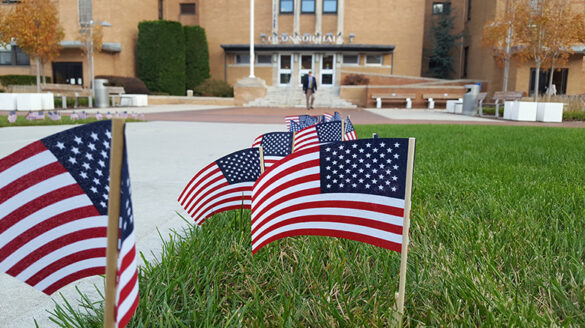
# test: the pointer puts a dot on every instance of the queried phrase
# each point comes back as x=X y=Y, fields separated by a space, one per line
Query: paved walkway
x=163 y=155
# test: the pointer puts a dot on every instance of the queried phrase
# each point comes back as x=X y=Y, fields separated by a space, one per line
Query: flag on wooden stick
x=349 y=130
x=54 y=197
x=275 y=145
x=318 y=134
x=223 y=185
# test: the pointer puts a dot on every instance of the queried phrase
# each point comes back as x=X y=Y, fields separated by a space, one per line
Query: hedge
x=7 y=80
x=214 y=88
x=161 y=56
x=196 y=56
x=131 y=84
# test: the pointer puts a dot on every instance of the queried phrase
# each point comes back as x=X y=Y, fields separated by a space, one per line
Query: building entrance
x=327 y=71
x=284 y=70
x=305 y=67
x=68 y=72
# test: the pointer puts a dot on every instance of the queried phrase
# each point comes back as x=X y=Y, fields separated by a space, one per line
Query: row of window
x=244 y=59
x=13 y=55
x=308 y=6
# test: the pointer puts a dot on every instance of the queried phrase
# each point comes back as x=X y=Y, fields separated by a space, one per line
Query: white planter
x=451 y=106
x=47 y=101
x=525 y=111
x=29 y=101
x=134 y=100
x=7 y=101
x=549 y=112
x=510 y=109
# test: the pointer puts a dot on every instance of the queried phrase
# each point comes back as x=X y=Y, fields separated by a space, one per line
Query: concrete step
x=294 y=97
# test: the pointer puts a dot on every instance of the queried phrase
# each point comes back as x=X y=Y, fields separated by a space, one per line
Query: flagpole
x=292 y=148
x=405 y=228
x=342 y=130
x=117 y=152
x=261 y=160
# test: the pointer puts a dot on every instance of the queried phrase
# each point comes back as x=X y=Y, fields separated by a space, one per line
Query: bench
x=115 y=94
x=394 y=97
x=68 y=90
x=433 y=97
x=499 y=98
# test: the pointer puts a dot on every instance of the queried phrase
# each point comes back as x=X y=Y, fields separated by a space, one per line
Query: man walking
x=309 y=88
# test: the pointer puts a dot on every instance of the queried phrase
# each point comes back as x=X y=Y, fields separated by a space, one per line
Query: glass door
x=284 y=69
x=305 y=67
x=328 y=70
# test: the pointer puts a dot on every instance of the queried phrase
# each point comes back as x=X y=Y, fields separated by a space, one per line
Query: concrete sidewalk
x=163 y=156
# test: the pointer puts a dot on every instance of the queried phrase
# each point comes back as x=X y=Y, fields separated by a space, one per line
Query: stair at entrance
x=294 y=97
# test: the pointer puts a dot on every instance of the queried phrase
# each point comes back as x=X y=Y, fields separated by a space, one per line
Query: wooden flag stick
x=342 y=129
x=261 y=160
x=292 y=148
x=116 y=154
x=405 y=228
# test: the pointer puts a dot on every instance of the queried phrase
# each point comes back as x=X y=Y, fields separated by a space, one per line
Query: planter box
x=29 y=101
x=47 y=101
x=549 y=112
x=7 y=101
x=520 y=111
x=134 y=100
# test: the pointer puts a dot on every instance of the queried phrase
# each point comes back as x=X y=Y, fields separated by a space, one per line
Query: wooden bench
x=68 y=90
x=115 y=94
x=441 y=97
x=499 y=98
x=394 y=97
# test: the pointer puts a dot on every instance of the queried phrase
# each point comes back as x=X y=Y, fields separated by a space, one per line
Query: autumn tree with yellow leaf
x=34 y=25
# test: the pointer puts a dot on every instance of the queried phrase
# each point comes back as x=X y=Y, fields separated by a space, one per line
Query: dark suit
x=309 y=88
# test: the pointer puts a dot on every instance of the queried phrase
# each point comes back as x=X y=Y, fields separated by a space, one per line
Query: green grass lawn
x=497 y=239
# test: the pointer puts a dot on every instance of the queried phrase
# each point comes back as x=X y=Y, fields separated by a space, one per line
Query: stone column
x=340 y=20
x=318 y=19
x=275 y=13
x=297 y=20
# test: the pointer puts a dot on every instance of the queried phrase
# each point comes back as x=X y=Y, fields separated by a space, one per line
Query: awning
x=72 y=44
x=579 y=49
x=373 y=48
x=111 y=47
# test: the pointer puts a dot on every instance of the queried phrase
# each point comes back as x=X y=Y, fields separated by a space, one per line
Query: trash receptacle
x=470 y=99
x=102 y=95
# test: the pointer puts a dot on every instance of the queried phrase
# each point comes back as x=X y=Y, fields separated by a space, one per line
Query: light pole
x=252 y=39
x=90 y=52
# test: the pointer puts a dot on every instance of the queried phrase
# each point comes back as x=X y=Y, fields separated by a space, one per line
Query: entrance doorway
x=305 y=67
x=328 y=70
x=68 y=73
x=284 y=70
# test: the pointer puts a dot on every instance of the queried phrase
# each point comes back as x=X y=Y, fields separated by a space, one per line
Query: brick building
x=291 y=38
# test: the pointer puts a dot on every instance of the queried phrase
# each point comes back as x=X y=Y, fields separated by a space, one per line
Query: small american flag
x=289 y=119
x=31 y=116
x=349 y=130
x=352 y=189
x=53 y=213
x=318 y=134
x=109 y=115
x=74 y=116
x=223 y=185
x=12 y=117
x=307 y=120
x=40 y=115
x=54 y=116
x=327 y=117
x=99 y=116
x=294 y=127
x=125 y=114
x=275 y=146
x=83 y=115
x=337 y=117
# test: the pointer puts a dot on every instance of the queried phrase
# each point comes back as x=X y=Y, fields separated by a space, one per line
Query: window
x=308 y=6
x=85 y=10
x=263 y=59
x=329 y=6
x=351 y=59
x=243 y=59
x=441 y=8
x=13 y=55
x=559 y=80
x=187 y=8
x=286 y=6
x=374 y=59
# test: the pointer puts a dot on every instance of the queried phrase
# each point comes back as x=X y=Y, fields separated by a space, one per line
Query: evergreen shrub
x=196 y=56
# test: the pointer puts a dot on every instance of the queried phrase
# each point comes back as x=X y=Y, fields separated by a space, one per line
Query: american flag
x=275 y=146
x=327 y=117
x=337 y=117
x=99 y=116
x=223 y=185
x=40 y=115
x=53 y=213
x=349 y=130
x=31 y=116
x=307 y=120
x=55 y=116
x=318 y=134
x=12 y=117
x=294 y=127
x=109 y=115
x=351 y=189
x=74 y=116
x=289 y=119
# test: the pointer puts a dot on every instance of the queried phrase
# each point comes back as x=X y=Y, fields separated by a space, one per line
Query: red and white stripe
x=306 y=138
x=350 y=136
x=258 y=141
x=209 y=192
x=127 y=287
x=328 y=117
x=50 y=232
x=287 y=202
x=287 y=119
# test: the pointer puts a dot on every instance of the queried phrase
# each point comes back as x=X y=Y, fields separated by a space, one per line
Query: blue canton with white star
x=367 y=166
x=307 y=120
x=85 y=152
x=329 y=132
x=295 y=127
x=348 y=125
x=277 y=143
x=241 y=166
x=126 y=216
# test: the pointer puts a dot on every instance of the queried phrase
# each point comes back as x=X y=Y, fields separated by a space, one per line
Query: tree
x=35 y=27
x=440 y=61
x=567 y=30
x=500 y=36
x=196 y=56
